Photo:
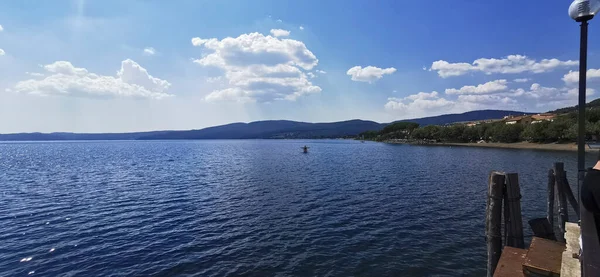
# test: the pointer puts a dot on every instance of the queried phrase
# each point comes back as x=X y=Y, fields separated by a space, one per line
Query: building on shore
x=529 y=119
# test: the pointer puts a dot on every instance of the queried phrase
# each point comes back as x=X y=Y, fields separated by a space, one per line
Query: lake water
x=254 y=207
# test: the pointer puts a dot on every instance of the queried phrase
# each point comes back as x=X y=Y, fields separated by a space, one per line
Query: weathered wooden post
x=513 y=220
x=570 y=196
x=559 y=173
x=493 y=227
x=550 y=211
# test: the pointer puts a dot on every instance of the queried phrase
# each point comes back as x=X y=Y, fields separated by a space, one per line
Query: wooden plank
x=542 y=229
x=513 y=220
x=563 y=217
x=511 y=262
x=550 y=210
x=493 y=227
x=544 y=258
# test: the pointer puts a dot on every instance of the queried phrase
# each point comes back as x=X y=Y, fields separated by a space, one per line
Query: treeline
x=562 y=129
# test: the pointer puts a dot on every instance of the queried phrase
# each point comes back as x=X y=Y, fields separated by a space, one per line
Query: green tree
x=535 y=132
x=400 y=126
x=470 y=134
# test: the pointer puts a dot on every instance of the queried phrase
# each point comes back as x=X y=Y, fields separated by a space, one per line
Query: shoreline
x=516 y=145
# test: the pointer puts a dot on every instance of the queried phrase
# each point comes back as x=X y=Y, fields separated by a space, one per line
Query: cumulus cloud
x=214 y=79
x=486 y=99
x=64 y=79
x=301 y=27
x=418 y=104
x=259 y=68
x=423 y=95
x=35 y=74
x=431 y=103
x=507 y=65
x=2 y=53
x=522 y=80
x=149 y=51
x=321 y=71
x=369 y=73
x=280 y=32
x=548 y=94
x=489 y=87
x=311 y=75
x=573 y=76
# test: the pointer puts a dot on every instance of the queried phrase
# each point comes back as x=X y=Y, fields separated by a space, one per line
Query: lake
x=254 y=207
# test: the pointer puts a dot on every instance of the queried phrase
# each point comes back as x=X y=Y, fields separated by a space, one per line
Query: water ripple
x=251 y=208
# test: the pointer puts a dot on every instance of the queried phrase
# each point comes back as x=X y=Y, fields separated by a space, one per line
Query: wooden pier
x=551 y=252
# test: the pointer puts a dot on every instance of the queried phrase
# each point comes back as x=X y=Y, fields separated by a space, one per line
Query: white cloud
x=486 y=99
x=428 y=104
x=198 y=41
x=507 y=65
x=321 y=71
x=573 y=76
x=35 y=74
x=149 y=51
x=2 y=53
x=64 y=79
x=280 y=32
x=418 y=104
x=547 y=94
x=214 y=79
x=489 y=87
x=259 y=68
x=369 y=73
x=522 y=80
x=1 y=28
x=301 y=27
x=279 y=20
x=423 y=95
x=311 y=75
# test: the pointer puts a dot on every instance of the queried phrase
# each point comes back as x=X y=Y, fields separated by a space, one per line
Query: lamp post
x=582 y=11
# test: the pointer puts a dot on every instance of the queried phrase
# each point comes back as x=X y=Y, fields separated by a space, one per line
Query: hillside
x=591 y=104
x=75 y=136
x=270 y=129
x=279 y=129
x=463 y=117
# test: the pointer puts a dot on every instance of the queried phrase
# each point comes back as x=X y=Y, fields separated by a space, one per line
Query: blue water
x=253 y=208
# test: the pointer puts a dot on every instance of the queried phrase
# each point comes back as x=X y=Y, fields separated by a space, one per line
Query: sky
x=121 y=66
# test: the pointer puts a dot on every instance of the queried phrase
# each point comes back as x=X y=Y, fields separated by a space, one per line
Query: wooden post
x=493 y=227
x=559 y=172
x=570 y=196
x=550 y=211
x=542 y=229
x=513 y=220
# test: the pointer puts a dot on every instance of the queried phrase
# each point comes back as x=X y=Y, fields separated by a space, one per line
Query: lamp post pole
x=582 y=11
x=581 y=107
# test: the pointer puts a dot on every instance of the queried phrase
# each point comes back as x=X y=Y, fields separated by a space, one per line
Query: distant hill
x=593 y=104
x=75 y=136
x=463 y=117
x=270 y=129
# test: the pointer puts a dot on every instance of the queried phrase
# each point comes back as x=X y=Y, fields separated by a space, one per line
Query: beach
x=519 y=145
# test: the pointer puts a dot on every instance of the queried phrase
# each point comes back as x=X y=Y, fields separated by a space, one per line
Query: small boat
x=305 y=149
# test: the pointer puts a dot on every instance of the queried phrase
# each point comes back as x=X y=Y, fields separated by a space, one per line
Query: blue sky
x=114 y=66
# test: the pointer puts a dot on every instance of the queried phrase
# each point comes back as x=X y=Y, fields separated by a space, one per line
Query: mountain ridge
x=264 y=129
